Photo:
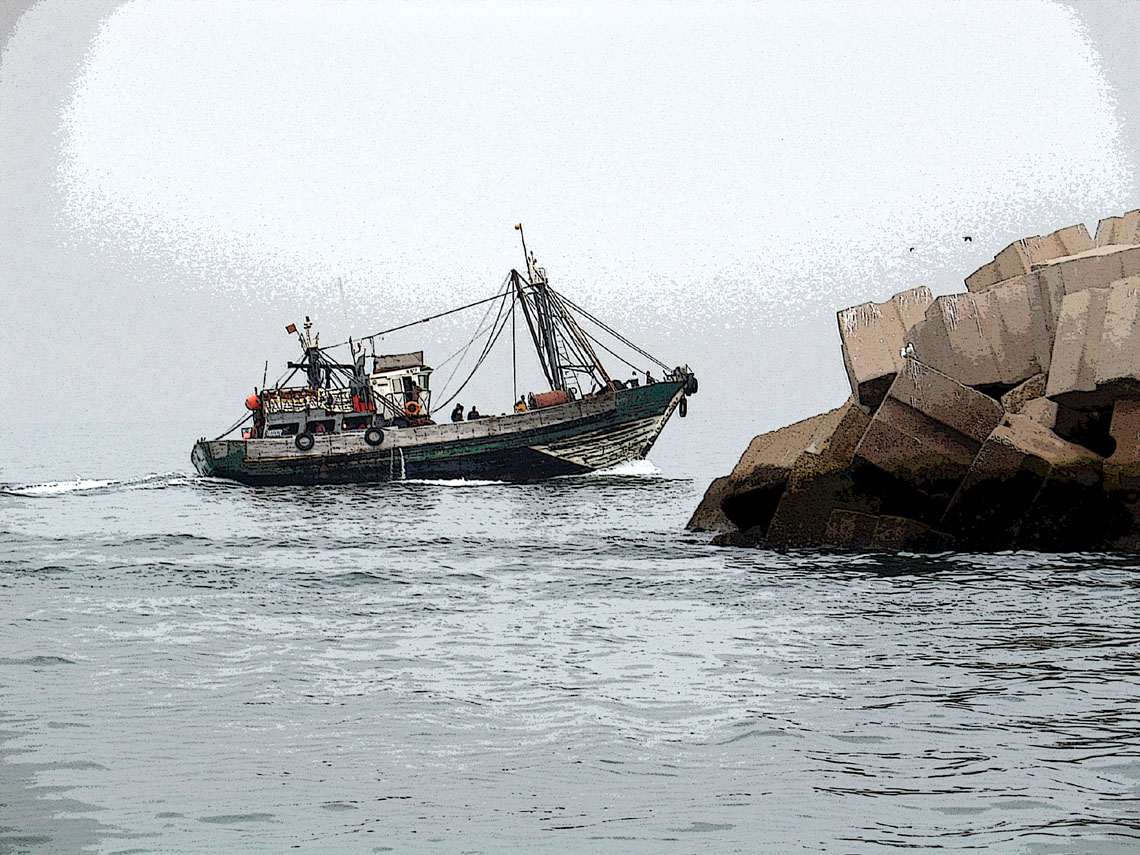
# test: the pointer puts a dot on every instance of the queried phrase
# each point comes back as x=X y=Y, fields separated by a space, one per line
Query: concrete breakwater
x=1003 y=417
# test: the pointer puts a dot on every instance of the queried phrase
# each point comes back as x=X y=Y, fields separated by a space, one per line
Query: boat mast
x=551 y=319
x=545 y=341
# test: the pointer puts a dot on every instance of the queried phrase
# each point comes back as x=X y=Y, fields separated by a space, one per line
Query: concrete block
x=1015 y=399
x=1119 y=231
x=987 y=339
x=758 y=480
x=847 y=528
x=900 y=534
x=1122 y=467
x=951 y=338
x=709 y=516
x=1117 y=359
x=872 y=336
x=922 y=441
x=1063 y=242
x=1041 y=410
x=1098 y=346
x=1072 y=373
x=991 y=504
x=1022 y=256
x=819 y=482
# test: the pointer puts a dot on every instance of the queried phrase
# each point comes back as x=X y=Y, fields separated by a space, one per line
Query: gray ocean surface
x=188 y=666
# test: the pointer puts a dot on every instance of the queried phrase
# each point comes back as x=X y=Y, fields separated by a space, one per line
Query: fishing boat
x=370 y=418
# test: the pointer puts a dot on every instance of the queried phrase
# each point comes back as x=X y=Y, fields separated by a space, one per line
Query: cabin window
x=424 y=381
x=322 y=426
x=355 y=423
x=288 y=429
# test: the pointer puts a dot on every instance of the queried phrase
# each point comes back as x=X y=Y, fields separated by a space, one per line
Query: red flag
x=292 y=328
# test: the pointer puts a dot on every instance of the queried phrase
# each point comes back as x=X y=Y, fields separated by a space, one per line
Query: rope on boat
x=420 y=321
x=235 y=426
x=498 y=326
x=614 y=333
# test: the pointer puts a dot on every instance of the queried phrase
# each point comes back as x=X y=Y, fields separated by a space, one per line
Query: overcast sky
x=181 y=178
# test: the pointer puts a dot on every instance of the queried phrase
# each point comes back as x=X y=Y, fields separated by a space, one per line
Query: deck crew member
x=457 y=413
x=474 y=414
x=520 y=405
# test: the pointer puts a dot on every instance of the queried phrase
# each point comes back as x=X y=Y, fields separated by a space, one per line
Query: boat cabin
x=395 y=392
x=400 y=385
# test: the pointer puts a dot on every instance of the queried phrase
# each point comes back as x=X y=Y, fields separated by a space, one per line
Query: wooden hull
x=568 y=439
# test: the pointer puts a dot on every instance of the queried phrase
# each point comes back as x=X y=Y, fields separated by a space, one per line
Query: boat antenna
x=526 y=255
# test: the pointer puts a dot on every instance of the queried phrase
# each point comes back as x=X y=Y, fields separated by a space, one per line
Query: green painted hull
x=567 y=439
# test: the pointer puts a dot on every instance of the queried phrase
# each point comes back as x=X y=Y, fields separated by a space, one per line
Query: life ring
x=304 y=441
x=374 y=436
x=683 y=407
x=412 y=408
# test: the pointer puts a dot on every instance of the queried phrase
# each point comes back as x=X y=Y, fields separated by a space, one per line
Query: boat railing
x=302 y=398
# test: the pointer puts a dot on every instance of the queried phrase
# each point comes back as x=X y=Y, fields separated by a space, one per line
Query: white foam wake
x=451 y=482
x=631 y=469
x=56 y=487
x=86 y=485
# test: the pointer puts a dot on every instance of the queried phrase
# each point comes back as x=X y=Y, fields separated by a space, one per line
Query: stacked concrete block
x=1119 y=231
x=994 y=500
x=1017 y=398
x=1022 y=256
x=924 y=457
x=872 y=337
x=989 y=339
x=923 y=438
x=1097 y=349
x=709 y=516
x=1122 y=467
x=747 y=498
x=819 y=482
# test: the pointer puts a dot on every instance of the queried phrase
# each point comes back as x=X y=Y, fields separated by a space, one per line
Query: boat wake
x=644 y=468
x=154 y=481
x=451 y=482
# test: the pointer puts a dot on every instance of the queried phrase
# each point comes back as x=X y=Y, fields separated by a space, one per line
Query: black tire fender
x=683 y=407
x=304 y=441
x=691 y=385
x=374 y=436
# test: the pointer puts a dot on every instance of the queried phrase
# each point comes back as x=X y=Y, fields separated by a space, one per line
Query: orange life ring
x=412 y=408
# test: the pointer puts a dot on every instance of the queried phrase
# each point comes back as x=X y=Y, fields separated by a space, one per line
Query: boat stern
x=218 y=458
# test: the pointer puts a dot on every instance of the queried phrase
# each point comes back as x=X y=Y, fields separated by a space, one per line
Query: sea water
x=193 y=666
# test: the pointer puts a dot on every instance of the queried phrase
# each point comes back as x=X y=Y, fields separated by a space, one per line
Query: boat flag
x=292 y=328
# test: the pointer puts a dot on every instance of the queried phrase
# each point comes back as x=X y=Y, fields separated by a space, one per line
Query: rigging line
x=486 y=350
x=614 y=333
x=463 y=350
x=478 y=364
x=277 y=385
x=611 y=353
x=235 y=425
x=420 y=321
x=482 y=328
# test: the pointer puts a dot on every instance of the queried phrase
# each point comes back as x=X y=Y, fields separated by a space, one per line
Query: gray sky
x=181 y=179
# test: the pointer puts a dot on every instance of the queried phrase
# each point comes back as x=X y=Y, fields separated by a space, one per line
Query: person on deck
x=473 y=414
x=520 y=405
x=457 y=413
